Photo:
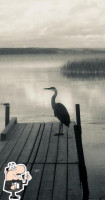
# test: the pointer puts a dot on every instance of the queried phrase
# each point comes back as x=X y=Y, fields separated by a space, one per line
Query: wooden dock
x=53 y=161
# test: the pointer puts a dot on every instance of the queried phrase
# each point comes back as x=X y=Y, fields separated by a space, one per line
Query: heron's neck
x=53 y=99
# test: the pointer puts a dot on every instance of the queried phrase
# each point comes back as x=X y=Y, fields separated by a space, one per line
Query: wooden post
x=82 y=167
x=8 y=128
x=7 y=113
x=78 y=118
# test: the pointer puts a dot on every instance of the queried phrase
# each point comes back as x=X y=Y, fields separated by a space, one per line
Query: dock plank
x=20 y=144
x=74 y=186
x=46 y=188
x=74 y=191
x=71 y=130
x=72 y=148
x=73 y=171
x=11 y=144
x=42 y=152
x=25 y=154
x=60 y=184
x=37 y=144
x=62 y=147
x=53 y=145
x=32 y=190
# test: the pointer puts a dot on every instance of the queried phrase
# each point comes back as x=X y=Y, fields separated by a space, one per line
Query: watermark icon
x=16 y=177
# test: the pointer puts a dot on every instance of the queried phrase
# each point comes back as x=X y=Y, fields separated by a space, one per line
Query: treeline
x=84 y=68
x=38 y=50
x=10 y=51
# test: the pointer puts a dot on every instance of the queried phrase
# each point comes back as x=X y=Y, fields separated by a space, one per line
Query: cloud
x=49 y=22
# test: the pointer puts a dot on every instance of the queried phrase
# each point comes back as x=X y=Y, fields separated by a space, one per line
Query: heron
x=60 y=111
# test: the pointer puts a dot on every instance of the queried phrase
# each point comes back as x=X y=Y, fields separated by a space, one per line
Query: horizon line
x=52 y=47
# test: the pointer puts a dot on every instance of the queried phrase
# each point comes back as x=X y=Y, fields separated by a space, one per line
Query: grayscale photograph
x=52 y=98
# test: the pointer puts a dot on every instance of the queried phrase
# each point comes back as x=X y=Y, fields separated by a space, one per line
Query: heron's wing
x=61 y=113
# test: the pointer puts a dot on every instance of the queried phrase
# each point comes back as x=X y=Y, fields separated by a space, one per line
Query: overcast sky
x=52 y=23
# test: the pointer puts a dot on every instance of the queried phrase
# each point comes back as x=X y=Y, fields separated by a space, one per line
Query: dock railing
x=82 y=166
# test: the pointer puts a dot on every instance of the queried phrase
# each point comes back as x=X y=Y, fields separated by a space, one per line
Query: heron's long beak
x=47 y=88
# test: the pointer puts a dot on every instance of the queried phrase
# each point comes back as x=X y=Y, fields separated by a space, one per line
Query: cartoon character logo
x=16 y=177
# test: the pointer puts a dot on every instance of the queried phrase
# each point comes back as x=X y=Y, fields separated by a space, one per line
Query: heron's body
x=62 y=114
x=59 y=110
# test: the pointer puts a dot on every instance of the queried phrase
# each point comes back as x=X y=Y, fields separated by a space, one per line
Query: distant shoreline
x=10 y=51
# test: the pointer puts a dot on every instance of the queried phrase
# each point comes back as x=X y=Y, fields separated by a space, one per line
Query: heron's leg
x=61 y=129
x=60 y=126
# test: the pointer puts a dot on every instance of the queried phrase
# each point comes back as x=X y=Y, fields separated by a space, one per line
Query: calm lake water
x=22 y=79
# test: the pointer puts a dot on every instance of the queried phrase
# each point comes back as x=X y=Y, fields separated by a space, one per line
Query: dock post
x=82 y=167
x=7 y=113
x=78 y=118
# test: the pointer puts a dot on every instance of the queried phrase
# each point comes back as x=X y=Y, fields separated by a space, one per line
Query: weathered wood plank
x=29 y=167
x=37 y=144
x=20 y=144
x=73 y=171
x=74 y=187
x=11 y=144
x=74 y=191
x=53 y=145
x=25 y=154
x=42 y=152
x=46 y=188
x=71 y=133
x=72 y=148
x=8 y=128
x=62 y=148
x=33 y=188
x=60 y=184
